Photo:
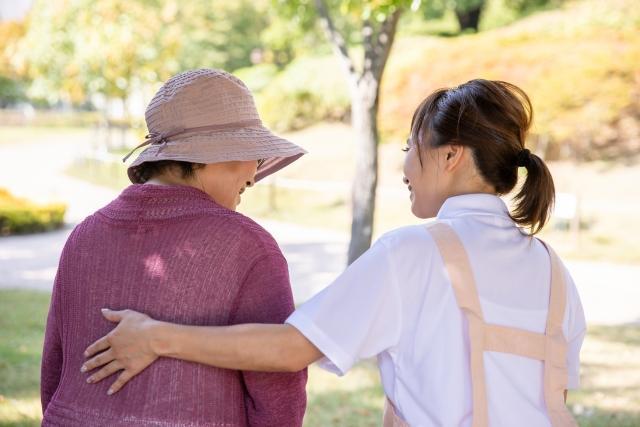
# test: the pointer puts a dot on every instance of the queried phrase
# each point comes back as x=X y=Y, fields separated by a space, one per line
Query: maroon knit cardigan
x=174 y=254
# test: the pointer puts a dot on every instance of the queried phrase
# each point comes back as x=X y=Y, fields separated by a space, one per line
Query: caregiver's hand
x=127 y=348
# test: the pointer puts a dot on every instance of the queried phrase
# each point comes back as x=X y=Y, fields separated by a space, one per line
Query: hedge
x=19 y=216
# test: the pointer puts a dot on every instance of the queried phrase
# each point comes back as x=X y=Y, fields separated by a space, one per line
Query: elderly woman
x=173 y=246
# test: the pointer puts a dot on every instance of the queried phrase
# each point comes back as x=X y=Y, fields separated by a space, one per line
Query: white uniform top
x=396 y=302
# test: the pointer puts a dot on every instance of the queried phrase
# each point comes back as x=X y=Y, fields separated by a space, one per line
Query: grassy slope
x=579 y=65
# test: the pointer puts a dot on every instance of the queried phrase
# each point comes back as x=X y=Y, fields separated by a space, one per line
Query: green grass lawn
x=610 y=375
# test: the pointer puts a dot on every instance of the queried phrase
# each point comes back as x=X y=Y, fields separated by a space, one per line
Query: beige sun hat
x=209 y=116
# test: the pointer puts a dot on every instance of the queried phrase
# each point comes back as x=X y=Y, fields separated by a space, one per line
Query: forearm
x=249 y=347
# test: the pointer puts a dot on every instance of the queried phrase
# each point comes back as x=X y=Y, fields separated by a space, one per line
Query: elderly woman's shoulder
x=245 y=231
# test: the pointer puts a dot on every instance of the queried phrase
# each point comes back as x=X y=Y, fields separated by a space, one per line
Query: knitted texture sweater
x=174 y=254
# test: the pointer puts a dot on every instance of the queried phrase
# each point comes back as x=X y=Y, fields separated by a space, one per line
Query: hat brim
x=252 y=143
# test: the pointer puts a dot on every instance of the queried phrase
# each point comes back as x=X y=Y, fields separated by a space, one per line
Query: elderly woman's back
x=172 y=252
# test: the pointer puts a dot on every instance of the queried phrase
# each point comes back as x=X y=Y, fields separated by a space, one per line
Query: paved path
x=610 y=292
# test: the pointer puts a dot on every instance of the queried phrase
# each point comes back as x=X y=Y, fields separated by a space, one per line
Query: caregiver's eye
x=408 y=147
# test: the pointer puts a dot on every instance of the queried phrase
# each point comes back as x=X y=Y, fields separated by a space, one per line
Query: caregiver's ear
x=453 y=154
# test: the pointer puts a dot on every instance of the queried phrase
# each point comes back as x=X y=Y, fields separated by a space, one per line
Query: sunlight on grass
x=20 y=412
x=354 y=400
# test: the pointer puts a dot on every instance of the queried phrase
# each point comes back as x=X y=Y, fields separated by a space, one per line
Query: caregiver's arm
x=250 y=347
x=139 y=340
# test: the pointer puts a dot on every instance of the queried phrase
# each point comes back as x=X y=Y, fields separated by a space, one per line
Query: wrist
x=159 y=341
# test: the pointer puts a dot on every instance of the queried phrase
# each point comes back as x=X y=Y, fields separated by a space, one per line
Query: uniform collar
x=473 y=204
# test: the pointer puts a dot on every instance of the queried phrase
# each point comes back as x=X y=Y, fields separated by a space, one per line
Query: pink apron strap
x=390 y=417
x=550 y=347
x=555 y=365
x=458 y=267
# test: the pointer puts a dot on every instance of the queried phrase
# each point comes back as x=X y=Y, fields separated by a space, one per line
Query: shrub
x=309 y=90
x=257 y=77
x=19 y=216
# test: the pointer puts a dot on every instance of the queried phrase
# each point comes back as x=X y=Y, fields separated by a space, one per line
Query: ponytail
x=534 y=202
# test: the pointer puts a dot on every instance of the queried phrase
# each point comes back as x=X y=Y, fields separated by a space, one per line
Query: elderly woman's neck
x=169 y=178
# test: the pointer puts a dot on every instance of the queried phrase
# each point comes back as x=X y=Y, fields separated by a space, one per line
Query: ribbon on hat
x=161 y=139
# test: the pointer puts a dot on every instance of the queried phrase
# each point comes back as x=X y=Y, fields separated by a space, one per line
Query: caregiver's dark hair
x=492 y=118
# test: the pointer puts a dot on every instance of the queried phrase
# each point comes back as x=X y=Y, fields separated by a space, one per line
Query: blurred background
x=76 y=75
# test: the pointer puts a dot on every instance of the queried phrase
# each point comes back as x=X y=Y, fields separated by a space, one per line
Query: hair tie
x=524 y=158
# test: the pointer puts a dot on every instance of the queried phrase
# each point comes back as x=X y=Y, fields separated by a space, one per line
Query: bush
x=19 y=216
x=309 y=90
x=11 y=92
x=257 y=77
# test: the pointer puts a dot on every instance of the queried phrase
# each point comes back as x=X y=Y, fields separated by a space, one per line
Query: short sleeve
x=357 y=316
x=577 y=328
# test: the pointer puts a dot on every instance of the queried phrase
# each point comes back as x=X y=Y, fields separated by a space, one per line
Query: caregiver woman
x=472 y=320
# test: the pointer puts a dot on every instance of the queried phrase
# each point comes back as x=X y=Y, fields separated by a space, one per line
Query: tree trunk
x=469 y=18
x=364 y=105
x=364 y=86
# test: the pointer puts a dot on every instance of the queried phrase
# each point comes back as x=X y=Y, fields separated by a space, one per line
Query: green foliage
x=18 y=216
x=287 y=37
x=297 y=98
x=525 y=6
x=221 y=36
x=436 y=8
x=80 y=47
x=348 y=16
x=257 y=77
x=304 y=11
x=11 y=91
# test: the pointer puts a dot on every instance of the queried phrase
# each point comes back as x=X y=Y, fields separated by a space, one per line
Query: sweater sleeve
x=271 y=399
x=51 y=368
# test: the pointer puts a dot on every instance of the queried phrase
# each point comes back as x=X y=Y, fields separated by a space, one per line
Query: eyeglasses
x=261 y=162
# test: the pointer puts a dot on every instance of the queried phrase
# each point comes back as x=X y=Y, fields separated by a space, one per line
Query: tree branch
x=368 y=46
x=337 y=40
x=384 y=42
